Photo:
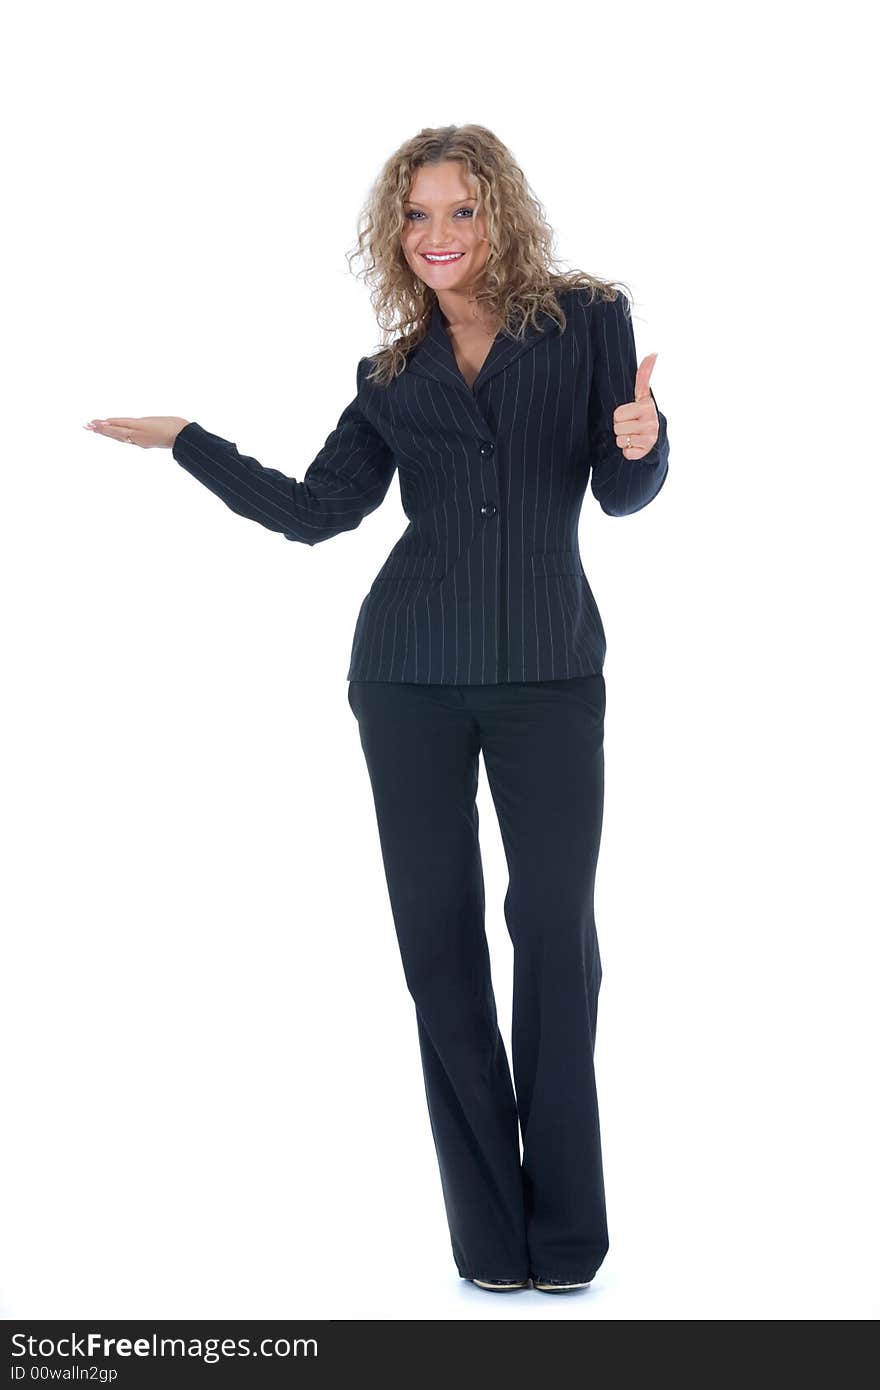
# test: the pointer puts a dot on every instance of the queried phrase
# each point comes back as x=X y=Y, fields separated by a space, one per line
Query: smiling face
x=439 y=219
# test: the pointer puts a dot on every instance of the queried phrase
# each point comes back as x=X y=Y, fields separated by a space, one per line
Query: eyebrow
x=468 y=198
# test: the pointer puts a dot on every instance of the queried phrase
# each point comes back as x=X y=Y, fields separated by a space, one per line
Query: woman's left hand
x=637 y=421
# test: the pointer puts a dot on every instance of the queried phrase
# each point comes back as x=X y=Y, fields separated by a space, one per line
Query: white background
x=213 y=1097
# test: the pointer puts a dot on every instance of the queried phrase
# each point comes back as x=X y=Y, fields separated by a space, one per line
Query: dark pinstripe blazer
x=486 y=583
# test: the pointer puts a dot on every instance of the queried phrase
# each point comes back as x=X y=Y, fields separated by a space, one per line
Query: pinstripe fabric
x=486 y=583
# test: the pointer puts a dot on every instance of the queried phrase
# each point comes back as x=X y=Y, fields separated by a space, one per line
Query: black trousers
x=510 y=1215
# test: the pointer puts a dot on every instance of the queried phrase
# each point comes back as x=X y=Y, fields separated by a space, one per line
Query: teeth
x=454 y=257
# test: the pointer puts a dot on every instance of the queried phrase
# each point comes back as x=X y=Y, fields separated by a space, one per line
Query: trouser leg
x=544 y=756
x=422 y=752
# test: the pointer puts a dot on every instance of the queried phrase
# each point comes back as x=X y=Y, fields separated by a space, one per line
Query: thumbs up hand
x=636 y=424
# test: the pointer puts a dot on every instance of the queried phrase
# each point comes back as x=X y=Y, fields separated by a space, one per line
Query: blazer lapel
x=434 y=357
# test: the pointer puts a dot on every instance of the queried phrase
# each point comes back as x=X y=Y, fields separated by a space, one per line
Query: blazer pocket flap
x=557 y=562
x=412 y=567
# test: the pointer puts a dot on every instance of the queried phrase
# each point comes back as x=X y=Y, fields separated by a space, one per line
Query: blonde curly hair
x=521 y=278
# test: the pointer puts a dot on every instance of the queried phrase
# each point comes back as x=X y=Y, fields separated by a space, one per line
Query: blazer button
x=486 y=447
x=488 y=509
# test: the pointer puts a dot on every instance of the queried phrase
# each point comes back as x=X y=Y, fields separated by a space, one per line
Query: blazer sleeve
x=620 y=485
x=345 y=482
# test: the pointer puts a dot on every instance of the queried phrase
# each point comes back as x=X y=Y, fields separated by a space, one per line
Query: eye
x=414 y=212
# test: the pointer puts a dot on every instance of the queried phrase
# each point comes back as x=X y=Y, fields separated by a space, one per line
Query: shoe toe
x=501 y=1285
x=559 y=1285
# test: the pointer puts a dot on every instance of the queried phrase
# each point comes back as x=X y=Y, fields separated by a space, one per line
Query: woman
x=506 y=386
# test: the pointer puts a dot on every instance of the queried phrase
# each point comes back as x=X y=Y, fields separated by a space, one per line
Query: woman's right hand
x=148 y=431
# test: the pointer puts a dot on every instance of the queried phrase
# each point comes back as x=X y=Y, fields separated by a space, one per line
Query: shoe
x=558 y=1285
x=501 y=1285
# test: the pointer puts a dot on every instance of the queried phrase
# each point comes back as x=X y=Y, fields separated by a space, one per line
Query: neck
x=461 y=311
